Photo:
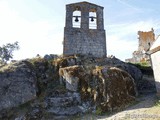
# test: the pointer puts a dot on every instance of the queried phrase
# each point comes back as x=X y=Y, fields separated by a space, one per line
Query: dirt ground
x=144 y=109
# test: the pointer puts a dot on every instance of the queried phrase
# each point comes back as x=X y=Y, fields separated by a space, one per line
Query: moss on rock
x=108 y=87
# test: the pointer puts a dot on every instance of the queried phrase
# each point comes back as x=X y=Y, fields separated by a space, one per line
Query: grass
x=98 y=111
x=157 y=103
x=141 y=64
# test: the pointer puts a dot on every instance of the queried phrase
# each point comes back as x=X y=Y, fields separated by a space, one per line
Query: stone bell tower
x=84 y=30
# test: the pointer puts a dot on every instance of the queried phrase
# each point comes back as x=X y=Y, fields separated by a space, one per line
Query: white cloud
x=132 y=27
x=120 y=48
x=122 y=39
x=40 y=37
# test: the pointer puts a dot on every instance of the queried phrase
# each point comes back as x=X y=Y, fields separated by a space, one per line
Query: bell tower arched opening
x=76 y=19
x=92 y=19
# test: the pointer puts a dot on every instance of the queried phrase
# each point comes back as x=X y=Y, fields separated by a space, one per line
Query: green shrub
x=157 y=103
x=99 y=111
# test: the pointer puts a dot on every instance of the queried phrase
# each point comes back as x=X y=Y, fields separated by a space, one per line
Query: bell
x=92 y=19
x=76 y=20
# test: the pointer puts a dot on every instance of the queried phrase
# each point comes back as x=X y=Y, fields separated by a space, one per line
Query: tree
x=6 y=52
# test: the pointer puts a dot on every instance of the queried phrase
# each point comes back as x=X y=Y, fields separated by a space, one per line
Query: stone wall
x=138 y=57
x=87 y=42
x=156 y=67
x=146 y=40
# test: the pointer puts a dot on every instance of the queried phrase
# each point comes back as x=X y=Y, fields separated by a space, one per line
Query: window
x=92 y=20
x=76 y=19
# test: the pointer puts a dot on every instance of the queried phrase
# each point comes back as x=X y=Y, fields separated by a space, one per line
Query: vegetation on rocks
x=68 y=86
x=100 y=85
x=157 y=103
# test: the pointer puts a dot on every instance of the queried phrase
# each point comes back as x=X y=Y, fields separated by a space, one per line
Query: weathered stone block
x=68 y=74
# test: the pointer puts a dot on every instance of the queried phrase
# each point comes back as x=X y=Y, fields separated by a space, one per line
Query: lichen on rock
x=117 y=86
x=109 y=87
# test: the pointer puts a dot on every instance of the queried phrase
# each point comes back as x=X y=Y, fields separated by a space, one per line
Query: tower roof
x=85 y=3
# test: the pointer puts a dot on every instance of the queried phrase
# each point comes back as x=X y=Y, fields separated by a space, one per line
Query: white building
x=155 y=60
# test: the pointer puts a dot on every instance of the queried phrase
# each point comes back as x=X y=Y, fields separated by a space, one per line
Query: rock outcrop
x=17 y=84
x=44 y=88
x=108 y=61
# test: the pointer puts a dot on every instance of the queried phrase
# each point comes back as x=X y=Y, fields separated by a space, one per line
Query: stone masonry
x=146 y=40
x=83 y=40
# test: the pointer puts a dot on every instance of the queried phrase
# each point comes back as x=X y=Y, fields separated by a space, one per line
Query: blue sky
x=38 y=25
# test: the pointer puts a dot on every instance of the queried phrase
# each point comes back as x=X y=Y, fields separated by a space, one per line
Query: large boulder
x=18 y=84
x=111 y=61
x=106 y=87
x=116 y=88
x=131 y=69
